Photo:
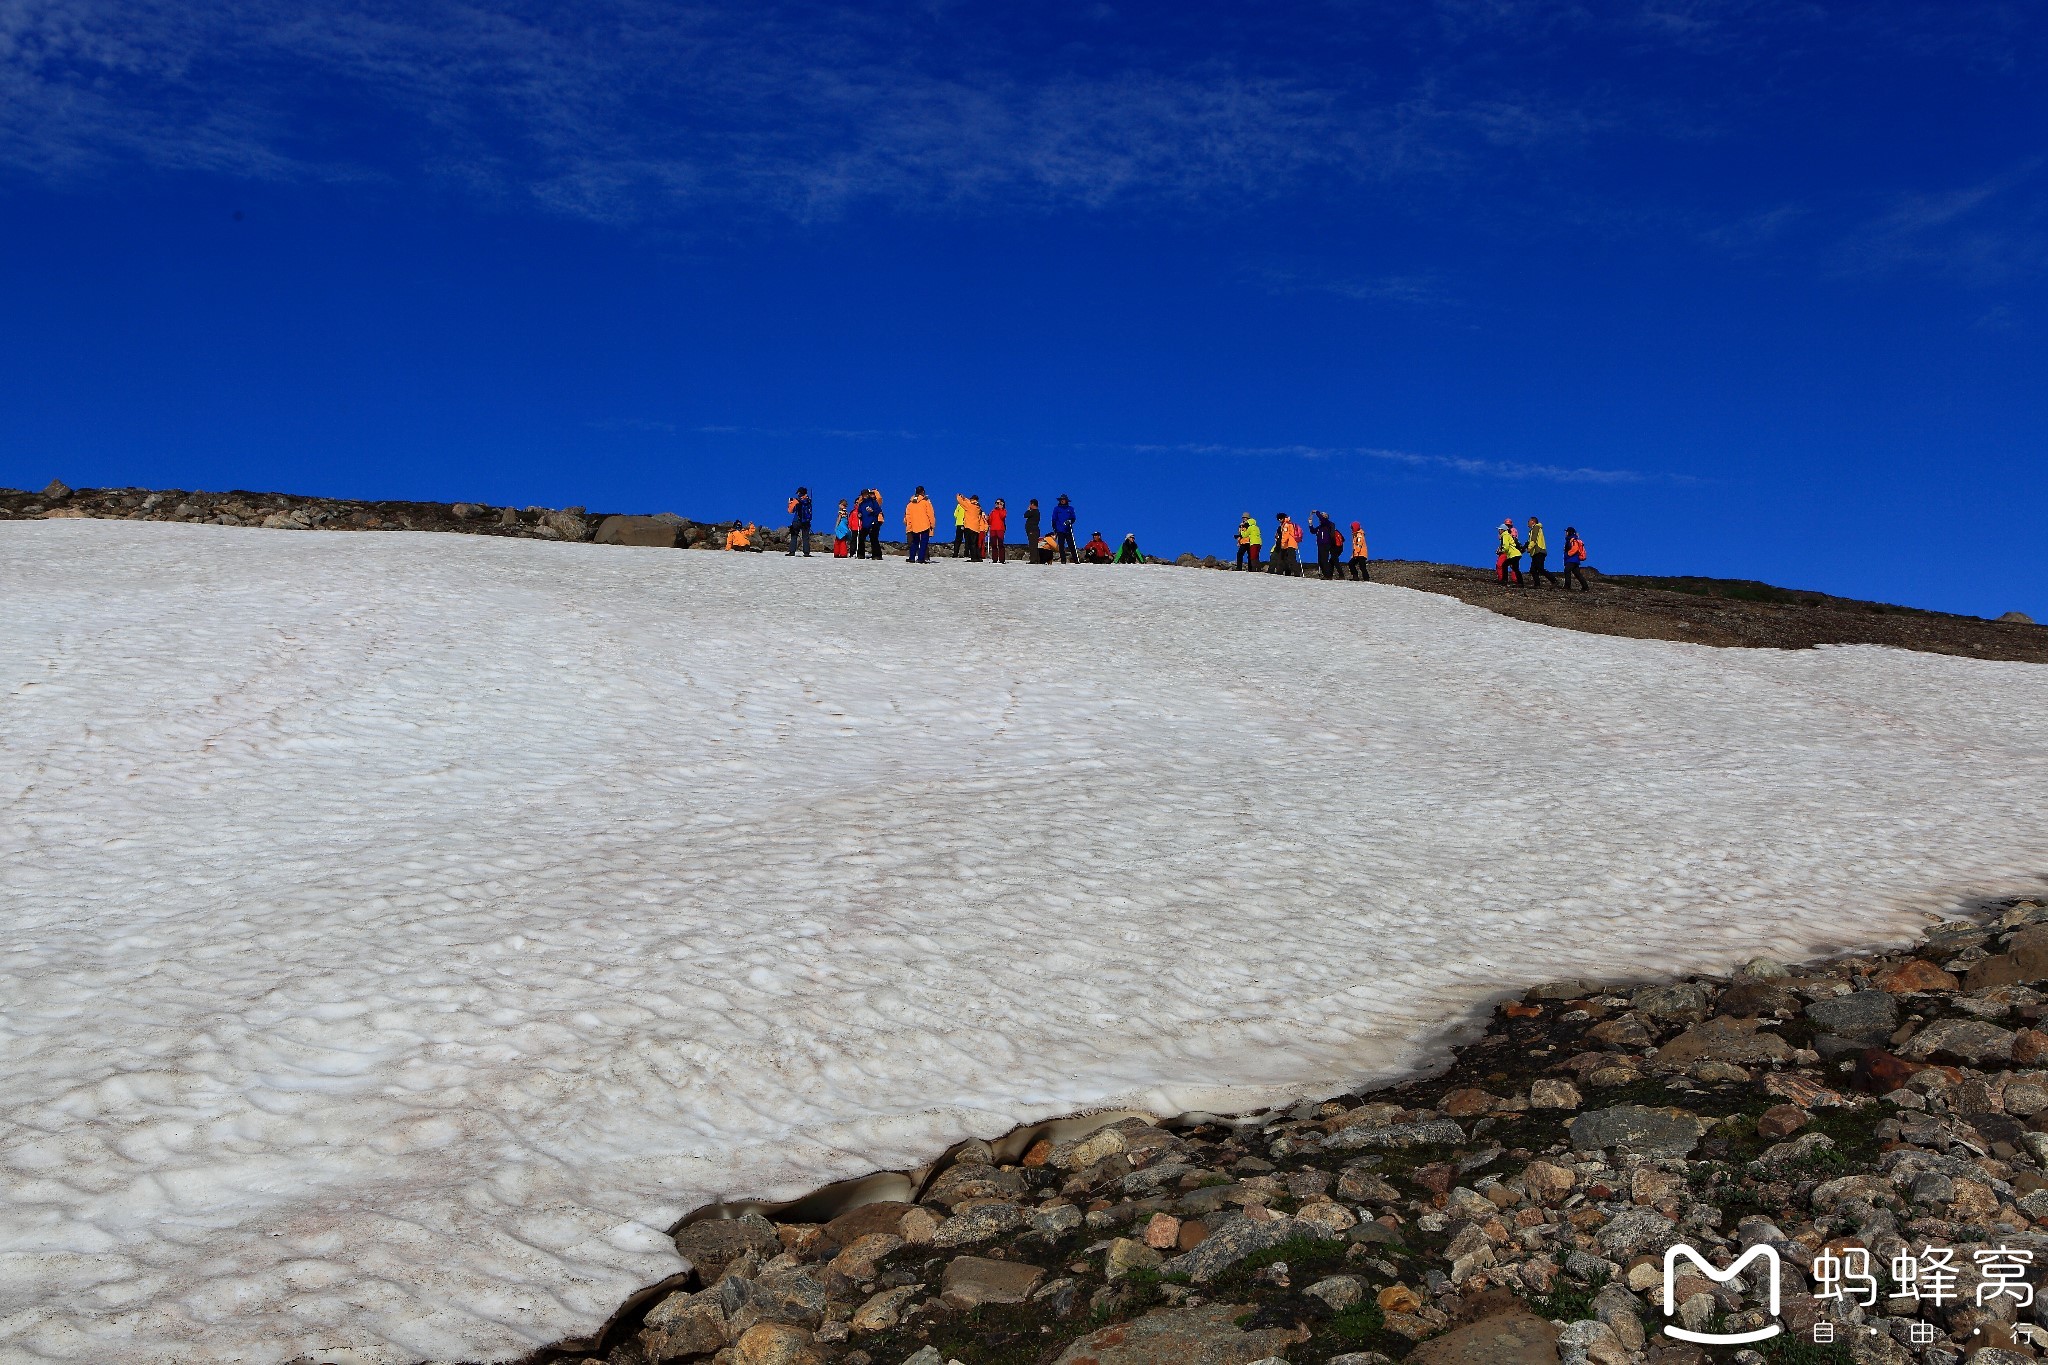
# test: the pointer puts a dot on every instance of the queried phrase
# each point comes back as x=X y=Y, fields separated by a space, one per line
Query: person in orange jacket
x=1048 y=546
x=998 y=527
x=1574 y=560
x=741 y=537
x=918 y=519
x=1358 y=569
x=1286 y=546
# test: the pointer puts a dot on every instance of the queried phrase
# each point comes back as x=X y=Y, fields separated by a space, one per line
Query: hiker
x=1063 y=530
x=800 y=523
x=1358 y=569
x=959 y=524
x=1031 y=532
x=1048 y=546
x=742 y=537
x=1096 y=551
x=1248 y=542
x=977 y=527
x=998 y=526
x=1286 y=546
x=870 y=506
x=1127 y=553
x=1574 y=556
x=1539 y=550
x=918 y=519
x=840 y=532
x=1507 y=562
x=1329 y=543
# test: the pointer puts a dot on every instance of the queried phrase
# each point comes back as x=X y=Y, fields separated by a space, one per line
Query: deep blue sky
x=1749 y=289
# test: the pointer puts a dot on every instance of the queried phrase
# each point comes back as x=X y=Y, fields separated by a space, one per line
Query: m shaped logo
x=1760 y=1252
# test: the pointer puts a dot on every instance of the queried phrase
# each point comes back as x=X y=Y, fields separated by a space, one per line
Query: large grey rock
x=1867 y=1017
x=1633 y=1231
x=972 y=1281
x=1679 y=1000
x=1430 y=1131
x=789 y=1296
x=685 y=1325
x=1721 y=1039
x=711 y=1244
x=978 y=1224
x=644 y=531
x=1233 y=1239
x=1207 y=1335
x=1967 y=1040
x=2018 y=618
x=1639 y=1129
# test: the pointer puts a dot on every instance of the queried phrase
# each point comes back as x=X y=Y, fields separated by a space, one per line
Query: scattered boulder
x=1516 y=1337
x=1966 y=1040
x=1639 y=1129
x=1867 y=1017
x=971 y=1281
x=647 y=532
x=710 y=1244
x=1722 y=1039
x=2018 y=618
x=1207 y=1335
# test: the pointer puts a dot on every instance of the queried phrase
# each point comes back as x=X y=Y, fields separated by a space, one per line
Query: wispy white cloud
x=1457 y=464
x=1992 y=232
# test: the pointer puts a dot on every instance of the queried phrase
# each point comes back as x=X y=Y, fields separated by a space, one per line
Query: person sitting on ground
x=1127 y=553
x=1048 y=546
x=742 y=537
x=1096 y=551
x=1358 y=569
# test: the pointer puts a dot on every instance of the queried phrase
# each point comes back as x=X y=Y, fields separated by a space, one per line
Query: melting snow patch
x=404 y=929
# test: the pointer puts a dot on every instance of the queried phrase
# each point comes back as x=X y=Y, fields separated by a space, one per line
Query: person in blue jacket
x=870 y=524
x=1063 y=530
x=800 y=523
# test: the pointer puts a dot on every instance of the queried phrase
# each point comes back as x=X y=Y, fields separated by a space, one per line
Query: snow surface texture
x=403 y=930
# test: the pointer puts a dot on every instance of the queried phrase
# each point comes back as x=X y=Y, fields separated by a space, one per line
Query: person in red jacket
x=998 y=524
x=1096 y=551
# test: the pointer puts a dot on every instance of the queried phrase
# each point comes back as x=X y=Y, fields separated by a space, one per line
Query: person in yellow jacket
x=959 y=525
x=1358 y=556
x=1249 y=539
x=1507 y=557
x=1539 y=549
x=919 y=517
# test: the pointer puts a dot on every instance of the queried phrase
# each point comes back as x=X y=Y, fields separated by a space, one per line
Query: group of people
x=1329 y=540
x=1511 y=545
x=979 y=532
x=982 y=532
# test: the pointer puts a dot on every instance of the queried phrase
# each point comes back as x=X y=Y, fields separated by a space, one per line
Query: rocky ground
x=1513 y=1209
x=1701 y=610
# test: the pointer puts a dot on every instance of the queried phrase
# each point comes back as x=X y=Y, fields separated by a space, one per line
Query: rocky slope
x=1513 y=1209
x=1701 y=611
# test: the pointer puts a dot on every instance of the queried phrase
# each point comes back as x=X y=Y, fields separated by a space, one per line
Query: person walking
x=1574 y=557
x=1063 y=530
x=1539 y=550
x=870 y=538
x=1031 y=526
x=840 y=532
x=1358 y=569
x=998 y=528
x=1286 y=546
x=1329 y=543
x=1507 y=562
x=800 y=523
x=918 y=519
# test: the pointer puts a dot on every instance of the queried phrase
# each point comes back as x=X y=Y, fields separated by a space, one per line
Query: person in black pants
x=1031 y=532
x=870 y=525
x=800 y=523
x=1063 y=531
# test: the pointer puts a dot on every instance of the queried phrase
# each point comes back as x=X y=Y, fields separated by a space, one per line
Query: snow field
x=404 y=930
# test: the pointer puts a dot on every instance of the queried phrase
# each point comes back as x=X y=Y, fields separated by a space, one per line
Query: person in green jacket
x=1249 y=540
x=1507 y=558
x=1539 y=548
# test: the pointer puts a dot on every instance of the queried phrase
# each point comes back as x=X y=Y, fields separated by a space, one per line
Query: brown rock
x=684 y=1325
x=1913 y=975
x=1546 y=1183
x=971 y=1281
x=884 y=1310
x=1193 y=1232
x=1722 y=1039
x=1549 y=1092
x=2029 y=951
x=1780 y=1121
x=1399 y=1298
x=2029 y=1047
x=1625 y=1034
x=710 y=1244
x=1040 y=1153
x=1162 y=1233
x=775 y=1343
x=856 y=1223
x=1997 y=970
x=1880 y=1072
x=1207 y=1335
x=1516 y=1337
x=858 y=1261
x=1468 y=1103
